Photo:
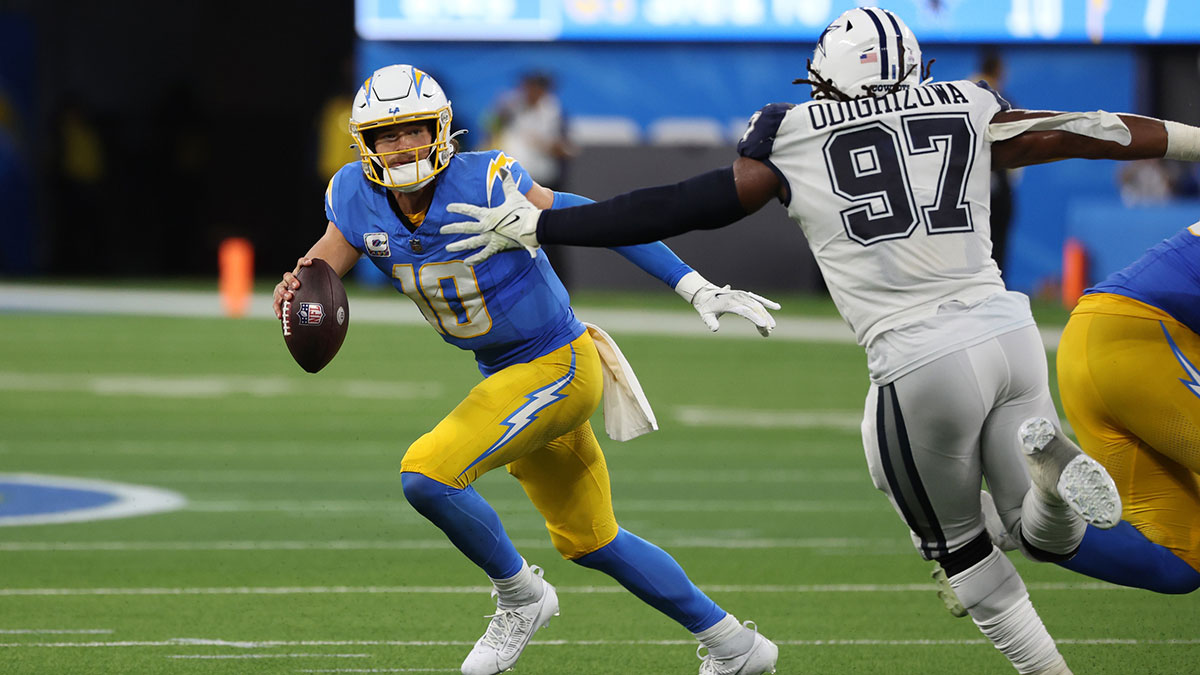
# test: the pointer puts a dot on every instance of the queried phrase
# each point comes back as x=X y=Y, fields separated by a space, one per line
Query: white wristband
x=690 y=284
x=1183 y=142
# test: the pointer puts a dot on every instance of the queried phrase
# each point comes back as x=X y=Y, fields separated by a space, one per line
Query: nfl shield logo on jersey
x=376 y=244
x=311 y=314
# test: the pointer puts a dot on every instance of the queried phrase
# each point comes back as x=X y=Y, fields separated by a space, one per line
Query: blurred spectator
x=1145 y=181
x=991 y=70
x=527 y=123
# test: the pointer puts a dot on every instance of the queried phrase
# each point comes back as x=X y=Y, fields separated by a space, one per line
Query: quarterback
x=544 y=373
x=887 y=174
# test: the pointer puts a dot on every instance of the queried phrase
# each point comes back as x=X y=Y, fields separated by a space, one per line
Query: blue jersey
x=1166 y=276
x=508 y=309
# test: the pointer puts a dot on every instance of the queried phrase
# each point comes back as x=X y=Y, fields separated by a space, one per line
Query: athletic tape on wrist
x=1183 y=142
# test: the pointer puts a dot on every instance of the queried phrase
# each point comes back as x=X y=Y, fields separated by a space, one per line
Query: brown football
x=316 y=318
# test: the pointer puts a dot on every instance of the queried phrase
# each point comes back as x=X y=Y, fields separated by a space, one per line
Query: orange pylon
x=235 y=258
x=1074 y=272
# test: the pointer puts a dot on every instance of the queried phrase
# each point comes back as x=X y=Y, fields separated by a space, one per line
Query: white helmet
x=865 y=52
x=397 y=95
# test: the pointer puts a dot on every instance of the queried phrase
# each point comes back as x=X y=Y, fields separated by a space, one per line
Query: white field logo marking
x=32 y=499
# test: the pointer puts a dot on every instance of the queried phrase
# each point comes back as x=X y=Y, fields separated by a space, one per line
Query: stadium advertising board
x=1071 y=21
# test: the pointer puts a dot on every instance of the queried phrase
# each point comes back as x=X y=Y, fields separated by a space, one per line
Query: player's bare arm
x=1142 y=138
x=333 y=248
x=540 y=196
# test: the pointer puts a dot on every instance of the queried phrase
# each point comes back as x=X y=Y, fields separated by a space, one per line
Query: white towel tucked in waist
x=627 y=413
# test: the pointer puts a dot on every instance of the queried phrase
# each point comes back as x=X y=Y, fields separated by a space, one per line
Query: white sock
x=1050 y=525
x=521 y=588
x=994 y=595
x=727 y=637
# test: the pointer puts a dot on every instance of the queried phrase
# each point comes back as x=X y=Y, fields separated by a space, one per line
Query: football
x=316 y=318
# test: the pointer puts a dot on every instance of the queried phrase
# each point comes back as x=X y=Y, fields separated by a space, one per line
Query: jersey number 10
x=448 y=295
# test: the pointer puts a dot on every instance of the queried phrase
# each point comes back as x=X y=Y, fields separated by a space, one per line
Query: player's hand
x=512 y=224
x=283 y=289
x=713 y=302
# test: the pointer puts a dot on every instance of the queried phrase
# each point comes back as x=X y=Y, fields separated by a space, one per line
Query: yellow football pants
x=533 y=418
x=1125 y=392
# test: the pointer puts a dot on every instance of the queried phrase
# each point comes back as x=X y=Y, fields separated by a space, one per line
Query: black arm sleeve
x=705 y=202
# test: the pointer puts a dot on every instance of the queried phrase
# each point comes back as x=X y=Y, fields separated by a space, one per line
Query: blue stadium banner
x=1036 y=21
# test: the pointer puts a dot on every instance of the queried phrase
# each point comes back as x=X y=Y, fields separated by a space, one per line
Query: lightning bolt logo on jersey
x=501 y=161
x=510 y=309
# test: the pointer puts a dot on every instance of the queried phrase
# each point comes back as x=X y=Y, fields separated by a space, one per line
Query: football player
x=543 y=372
x=1129 y=376
x=887 y=174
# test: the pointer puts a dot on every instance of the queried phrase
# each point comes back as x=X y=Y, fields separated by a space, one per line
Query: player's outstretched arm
x=705 y=202
x=708 y=201
x=1025 y=137
x=333 y=248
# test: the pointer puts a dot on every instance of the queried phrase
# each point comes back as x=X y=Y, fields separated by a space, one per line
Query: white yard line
x=192 y=477
x=55 y=631
x=589 y=643
x=379 y=670
x=269 y=656
x=420 y=545
x=472 y=590
x=701 y=416
x=209 y=386
x=36 y=298
x=627 y=506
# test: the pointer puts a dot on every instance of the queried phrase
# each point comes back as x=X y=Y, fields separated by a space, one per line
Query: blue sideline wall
x=728 y=82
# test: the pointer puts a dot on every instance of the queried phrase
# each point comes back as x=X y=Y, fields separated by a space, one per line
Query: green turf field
x=296 y=552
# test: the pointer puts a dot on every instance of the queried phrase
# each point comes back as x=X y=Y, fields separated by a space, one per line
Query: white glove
x=712 y=302
x=512 y=224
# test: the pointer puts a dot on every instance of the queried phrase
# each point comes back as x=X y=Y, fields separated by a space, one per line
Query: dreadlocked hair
x=824 y=88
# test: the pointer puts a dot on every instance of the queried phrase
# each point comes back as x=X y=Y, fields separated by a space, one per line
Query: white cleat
x=757 y=660
x=509 y=632
x=1060 y=470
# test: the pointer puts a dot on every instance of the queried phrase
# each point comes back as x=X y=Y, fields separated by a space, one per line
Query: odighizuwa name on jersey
x=893 y=194
x=824 y=114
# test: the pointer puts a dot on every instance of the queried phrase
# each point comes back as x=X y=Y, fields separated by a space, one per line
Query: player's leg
x=508 y=415
x=568 y=482
x=1044 y=525
x=922 y=440
x=1120 y=380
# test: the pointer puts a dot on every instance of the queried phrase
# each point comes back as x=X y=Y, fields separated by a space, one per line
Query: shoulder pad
x=1004 y=105
x=759 y=138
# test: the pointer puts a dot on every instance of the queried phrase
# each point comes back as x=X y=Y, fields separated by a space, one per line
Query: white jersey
x=893 y=196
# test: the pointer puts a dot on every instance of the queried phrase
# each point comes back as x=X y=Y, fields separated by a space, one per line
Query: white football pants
x=931 y=435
